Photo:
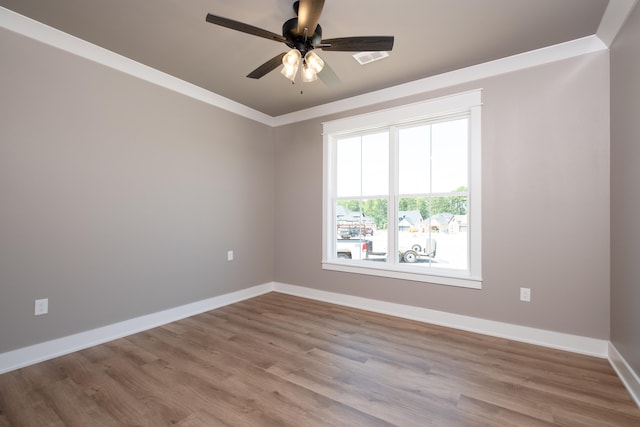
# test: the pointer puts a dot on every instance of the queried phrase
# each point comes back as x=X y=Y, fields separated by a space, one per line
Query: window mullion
x=392 y=204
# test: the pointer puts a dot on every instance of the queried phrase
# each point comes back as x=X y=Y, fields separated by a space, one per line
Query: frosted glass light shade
x=289 y=72
x=291 y=62
x=313 y=61
x=308 y=74
x=292 y=58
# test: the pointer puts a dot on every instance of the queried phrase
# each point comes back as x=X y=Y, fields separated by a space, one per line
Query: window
x=402 y=192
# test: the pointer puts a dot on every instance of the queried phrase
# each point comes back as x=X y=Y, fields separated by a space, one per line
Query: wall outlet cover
x=41 y=306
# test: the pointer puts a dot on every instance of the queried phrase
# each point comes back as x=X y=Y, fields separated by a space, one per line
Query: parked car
x=354 y=249
x=348 y=232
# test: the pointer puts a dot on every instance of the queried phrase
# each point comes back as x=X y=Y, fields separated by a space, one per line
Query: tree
x=428 y=206
x=377 y=210
x=352 y=205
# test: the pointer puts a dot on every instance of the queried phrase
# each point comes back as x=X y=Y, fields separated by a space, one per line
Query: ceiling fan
x=303 y=34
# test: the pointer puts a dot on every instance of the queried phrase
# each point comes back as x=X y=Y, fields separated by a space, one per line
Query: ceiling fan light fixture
x=292 y=58
x=313 y=61
x=289 y=72
x=291 y=62
x=308 y=73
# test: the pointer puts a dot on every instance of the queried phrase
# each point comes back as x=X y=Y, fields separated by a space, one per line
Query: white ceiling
x=431 y=37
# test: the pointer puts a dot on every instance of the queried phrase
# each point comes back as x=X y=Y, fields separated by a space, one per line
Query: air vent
x=364 y=58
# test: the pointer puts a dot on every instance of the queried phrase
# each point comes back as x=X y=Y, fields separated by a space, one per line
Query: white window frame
x=468 y=103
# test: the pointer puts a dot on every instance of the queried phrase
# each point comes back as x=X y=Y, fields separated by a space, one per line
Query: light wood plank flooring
x=278 y=360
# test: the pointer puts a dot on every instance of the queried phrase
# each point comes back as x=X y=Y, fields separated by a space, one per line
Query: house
x=441 y=222
x=410 y=220
x=120 y=202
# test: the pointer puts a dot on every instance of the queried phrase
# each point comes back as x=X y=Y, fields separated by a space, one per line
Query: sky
x=432 y=158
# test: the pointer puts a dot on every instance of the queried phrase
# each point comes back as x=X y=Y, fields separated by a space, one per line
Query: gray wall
x=625 y=191
x=545 y=160
x=119 y=198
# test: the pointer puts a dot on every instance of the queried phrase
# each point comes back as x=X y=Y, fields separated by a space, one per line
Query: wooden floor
x=278 y=360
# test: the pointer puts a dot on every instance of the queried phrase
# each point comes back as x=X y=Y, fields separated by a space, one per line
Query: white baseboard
x=26 y=356
x=627 y=375
x=36 y=353
x=557 y=340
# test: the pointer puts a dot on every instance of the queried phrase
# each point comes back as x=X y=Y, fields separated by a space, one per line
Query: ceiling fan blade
x=308 y=16
x=244 y=28
x=358 y=44
x=267 y=67
x=328 y=76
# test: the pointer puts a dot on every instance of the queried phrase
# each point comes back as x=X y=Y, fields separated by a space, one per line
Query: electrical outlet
x=41 y=306
x=229 y=255
x=525 y=294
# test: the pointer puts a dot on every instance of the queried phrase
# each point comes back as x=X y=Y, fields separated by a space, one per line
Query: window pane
x=375 y=164
x=363 y=165
x=361 y=229
x=349 y=173
x=433 y=231
x=414 y=159
x=449 y=147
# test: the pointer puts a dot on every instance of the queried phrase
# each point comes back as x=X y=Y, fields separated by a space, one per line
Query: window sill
x=403 y=274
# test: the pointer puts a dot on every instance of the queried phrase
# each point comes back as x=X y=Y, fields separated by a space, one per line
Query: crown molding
x=43 y=33
x=613 y=19
x=521 y=61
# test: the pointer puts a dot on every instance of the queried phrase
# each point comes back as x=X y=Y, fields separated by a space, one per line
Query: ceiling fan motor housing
x=302 y=42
